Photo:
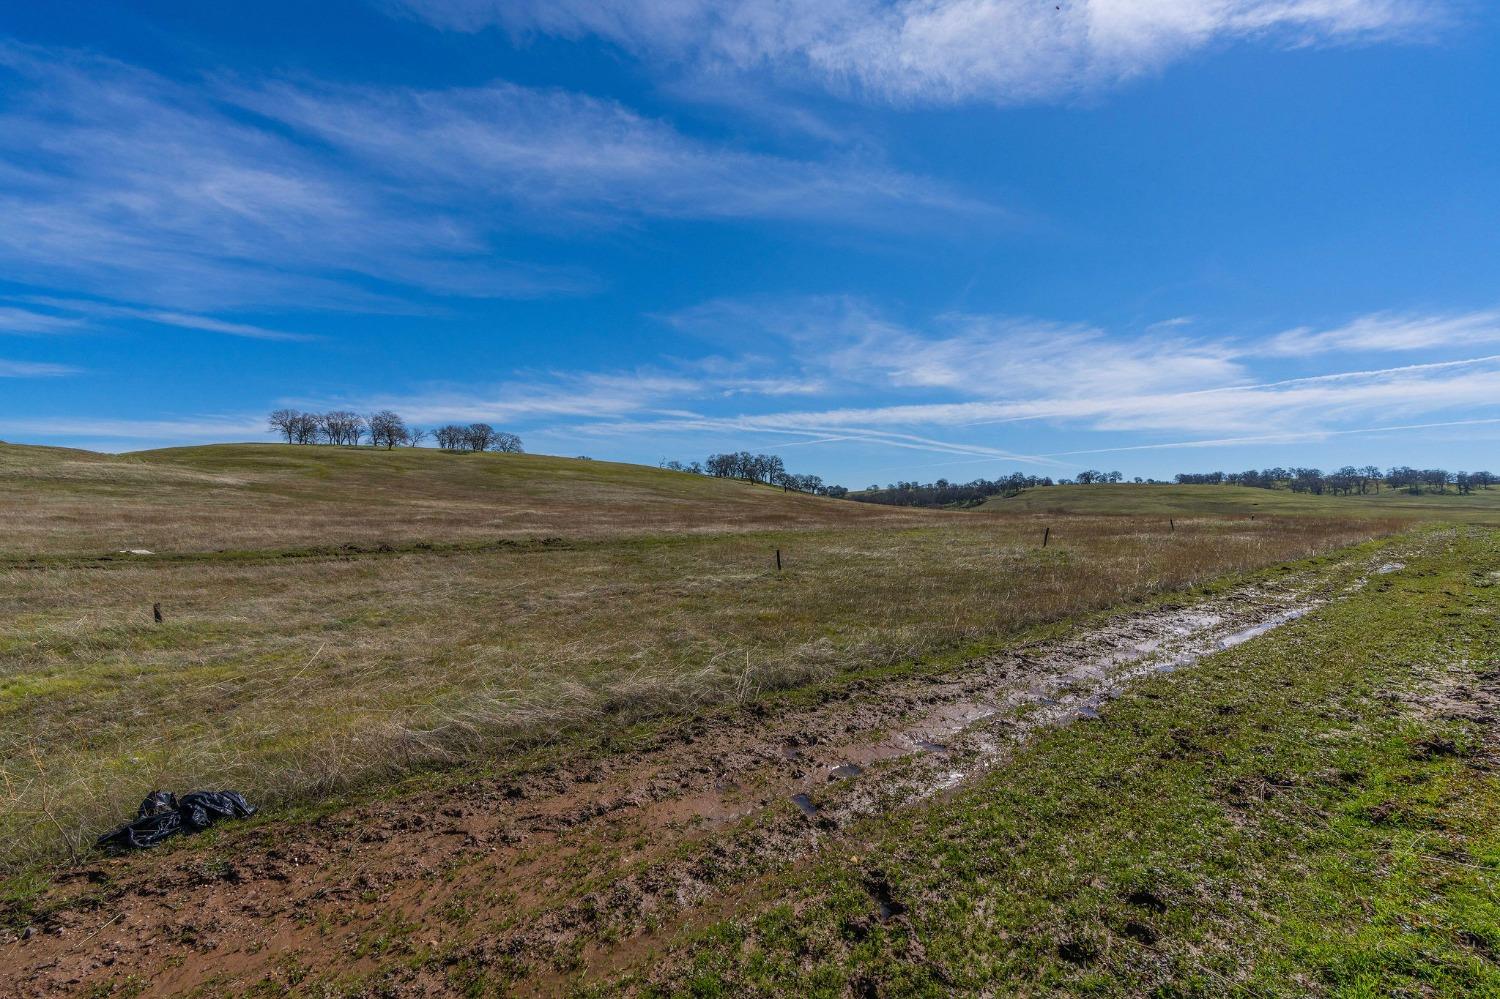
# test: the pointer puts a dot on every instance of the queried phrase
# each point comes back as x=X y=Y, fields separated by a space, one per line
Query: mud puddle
x=524 y=878
x=805 y=805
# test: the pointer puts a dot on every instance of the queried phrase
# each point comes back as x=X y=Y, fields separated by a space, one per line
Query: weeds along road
x=630 y=867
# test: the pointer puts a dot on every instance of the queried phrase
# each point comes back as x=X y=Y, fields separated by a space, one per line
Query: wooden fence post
x=778 y=560
x=1045 y=535
x=156 y=612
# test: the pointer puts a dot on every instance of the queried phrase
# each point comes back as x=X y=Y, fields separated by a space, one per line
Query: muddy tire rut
x=526 y=880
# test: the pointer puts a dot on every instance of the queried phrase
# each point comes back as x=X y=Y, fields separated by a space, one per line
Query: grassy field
x=260 y=496
x=559 y=757
x=1308 y=814
x=293 y=672
x=1479 y=507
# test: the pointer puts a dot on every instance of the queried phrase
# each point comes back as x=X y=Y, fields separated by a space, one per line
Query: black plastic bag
x=201 y=809
x=162 y=815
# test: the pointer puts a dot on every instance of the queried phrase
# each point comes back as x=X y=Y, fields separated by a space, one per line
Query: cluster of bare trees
x=945 y=493
x=1414 y=480
x=476 y=437
x=346 y=428
x=744 y=465
x=297 y=427
x=767 y=468
x=386 y=429
x=1345 y=481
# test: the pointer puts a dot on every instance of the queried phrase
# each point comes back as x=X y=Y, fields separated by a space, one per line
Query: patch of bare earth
x=584 y=871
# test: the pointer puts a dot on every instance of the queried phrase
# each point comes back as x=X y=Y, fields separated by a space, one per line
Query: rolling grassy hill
x=337 y=618
x=258 y=496
x=1480 y=507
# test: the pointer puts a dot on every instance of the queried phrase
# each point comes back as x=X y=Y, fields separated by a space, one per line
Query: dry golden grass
x=290 y=677
x=258 y=496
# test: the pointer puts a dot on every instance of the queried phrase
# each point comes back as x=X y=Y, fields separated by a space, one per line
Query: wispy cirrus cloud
x=1283 y=437
x=1390 y=332
x=209 y=195
x=552 y=151
x=78 y=307
x=123 y=183
x=205 y=428
x=940 y=51
x=35 y=369
x=27 y=321
x=975 y=355
x=966 y=381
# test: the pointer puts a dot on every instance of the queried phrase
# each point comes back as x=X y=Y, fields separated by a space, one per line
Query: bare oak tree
x=284 y=422
x=387 y=429
x=340 y=426
x=479 y=436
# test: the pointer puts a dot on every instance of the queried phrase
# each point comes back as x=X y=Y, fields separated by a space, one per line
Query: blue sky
x=946 y=238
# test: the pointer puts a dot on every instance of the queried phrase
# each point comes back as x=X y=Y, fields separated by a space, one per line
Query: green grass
x=1481 y=506
x=1300 y=815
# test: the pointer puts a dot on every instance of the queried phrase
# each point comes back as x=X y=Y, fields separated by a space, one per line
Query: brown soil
x=583 y=871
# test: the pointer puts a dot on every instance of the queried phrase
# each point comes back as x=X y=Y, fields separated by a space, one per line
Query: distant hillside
x=242 y=496
x=1480 y=506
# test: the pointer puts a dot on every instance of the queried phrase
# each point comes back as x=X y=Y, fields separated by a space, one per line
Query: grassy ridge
x=1310 y=813
x=1479 y=507
x=260 y=496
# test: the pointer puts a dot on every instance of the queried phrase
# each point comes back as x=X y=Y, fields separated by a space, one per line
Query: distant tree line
x=766 y=468
x=1346 y=481
x=386 y=429
x=945 y=493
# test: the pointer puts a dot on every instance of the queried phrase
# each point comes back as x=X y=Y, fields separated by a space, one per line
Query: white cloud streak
x=213 y=429
x=1388 y=332
x=200 y=198
x=1282 y=438
x=986 y=372
x=551 y=151
x=34 y=369
x=162 y=317
x=27 y=322
x=940 y=51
